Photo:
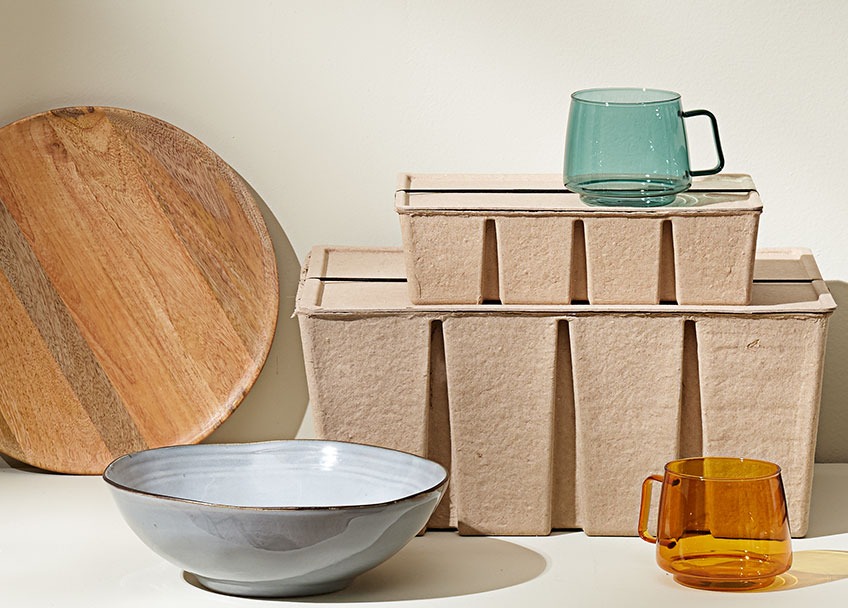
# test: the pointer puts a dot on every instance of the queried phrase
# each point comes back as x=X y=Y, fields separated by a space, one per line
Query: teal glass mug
x=627 y=147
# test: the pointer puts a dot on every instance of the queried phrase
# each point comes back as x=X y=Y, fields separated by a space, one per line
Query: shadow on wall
x=274 y=407
x=832 y=443
x=827 y=503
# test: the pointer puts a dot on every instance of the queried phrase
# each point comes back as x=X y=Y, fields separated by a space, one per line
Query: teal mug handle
x=712 y=118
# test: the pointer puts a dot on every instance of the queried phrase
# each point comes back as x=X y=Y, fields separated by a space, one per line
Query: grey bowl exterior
x=274 y=552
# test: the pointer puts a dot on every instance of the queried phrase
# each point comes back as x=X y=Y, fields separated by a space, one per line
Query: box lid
x=785 y=265
x=354 y=280
x=498 y=194
x=354 y=263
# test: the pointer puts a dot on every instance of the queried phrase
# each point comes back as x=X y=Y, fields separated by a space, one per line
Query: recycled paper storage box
x=551 y=416
x=524 y=239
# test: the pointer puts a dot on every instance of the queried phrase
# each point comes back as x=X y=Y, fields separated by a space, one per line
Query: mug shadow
x=705 y=199
x=810 y=568
x=465 y=566
x=684 y=199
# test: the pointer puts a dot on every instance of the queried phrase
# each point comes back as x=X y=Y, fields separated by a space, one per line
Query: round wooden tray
x=138 y=288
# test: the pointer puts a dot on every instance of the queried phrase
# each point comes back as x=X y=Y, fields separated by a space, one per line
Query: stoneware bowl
x=275 y=519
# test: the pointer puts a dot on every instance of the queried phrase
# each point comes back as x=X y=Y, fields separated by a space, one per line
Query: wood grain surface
x=138 y=288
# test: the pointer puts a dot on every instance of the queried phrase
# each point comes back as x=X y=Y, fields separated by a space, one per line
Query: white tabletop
x=63 y=543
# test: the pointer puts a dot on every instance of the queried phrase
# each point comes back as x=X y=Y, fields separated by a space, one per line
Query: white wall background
x=319 y=104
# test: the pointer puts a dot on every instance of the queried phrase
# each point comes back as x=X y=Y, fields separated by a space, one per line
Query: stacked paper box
x=550 y=415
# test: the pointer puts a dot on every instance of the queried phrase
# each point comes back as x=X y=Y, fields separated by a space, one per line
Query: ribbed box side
x=760 y=380
x=627 y=394
x=501 y=394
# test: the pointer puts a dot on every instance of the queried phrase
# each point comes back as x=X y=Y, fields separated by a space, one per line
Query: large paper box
x=524 y=239
x=551 y=416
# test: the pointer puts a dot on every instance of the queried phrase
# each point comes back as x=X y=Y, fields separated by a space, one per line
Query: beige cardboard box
x=550 y=416
x=524 y=239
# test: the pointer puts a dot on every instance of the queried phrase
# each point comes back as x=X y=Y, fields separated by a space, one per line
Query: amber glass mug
x=722 y=523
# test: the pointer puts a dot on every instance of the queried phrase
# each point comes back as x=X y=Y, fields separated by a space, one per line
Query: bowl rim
x=444 y=478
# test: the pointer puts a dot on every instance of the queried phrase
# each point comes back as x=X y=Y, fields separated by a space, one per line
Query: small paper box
x=524 y=239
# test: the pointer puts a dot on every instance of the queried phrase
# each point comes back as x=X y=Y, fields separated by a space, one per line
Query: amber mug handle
x=645 y=508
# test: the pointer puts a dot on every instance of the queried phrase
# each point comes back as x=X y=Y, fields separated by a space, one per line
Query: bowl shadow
x=436 y=565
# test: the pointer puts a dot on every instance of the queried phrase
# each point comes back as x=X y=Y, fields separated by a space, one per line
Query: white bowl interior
x=299 y=473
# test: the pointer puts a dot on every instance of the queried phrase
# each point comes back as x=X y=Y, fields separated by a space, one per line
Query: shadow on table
x=7 y=462
x=811 y=568
x=436 y=565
